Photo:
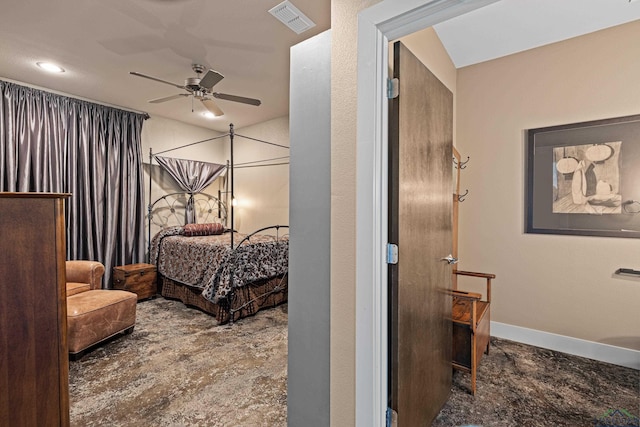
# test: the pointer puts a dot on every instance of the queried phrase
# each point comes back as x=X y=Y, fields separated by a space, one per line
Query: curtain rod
x=79 y=98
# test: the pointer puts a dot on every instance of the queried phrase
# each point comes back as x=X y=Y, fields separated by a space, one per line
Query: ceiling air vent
x=290 y=16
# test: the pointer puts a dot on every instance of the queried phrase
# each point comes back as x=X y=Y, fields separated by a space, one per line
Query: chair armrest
x=466 y=295
x=90 y=272
x=474 y=274
x=487 y=276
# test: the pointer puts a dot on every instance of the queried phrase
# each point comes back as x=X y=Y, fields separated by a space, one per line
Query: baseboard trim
x=592 y=350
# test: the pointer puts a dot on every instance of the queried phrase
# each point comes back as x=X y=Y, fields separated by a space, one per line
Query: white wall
x=309 y=245
x=162 y=134
x=262 y=193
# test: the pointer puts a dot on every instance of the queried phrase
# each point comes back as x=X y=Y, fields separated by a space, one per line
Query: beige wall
x=557 y=284
x=343 y=206
x=428 y=48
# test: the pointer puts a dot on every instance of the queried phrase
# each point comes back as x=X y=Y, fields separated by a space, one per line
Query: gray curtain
x=193 y=176
x=52 y=143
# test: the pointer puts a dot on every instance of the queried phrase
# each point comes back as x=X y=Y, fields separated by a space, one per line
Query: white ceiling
x=511 y=26
x=99 y=42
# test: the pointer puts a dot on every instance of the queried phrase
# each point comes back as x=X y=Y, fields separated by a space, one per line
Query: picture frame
x=584 y=178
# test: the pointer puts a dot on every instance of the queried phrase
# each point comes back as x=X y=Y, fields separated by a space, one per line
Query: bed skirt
x=247 y=301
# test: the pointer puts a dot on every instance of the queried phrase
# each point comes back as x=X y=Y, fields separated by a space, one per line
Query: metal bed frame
x=170 y=210
x=164 y=212
x=280 y=287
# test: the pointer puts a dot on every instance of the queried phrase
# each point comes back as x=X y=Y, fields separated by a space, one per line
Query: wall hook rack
x=462 y=164
x=461 y=197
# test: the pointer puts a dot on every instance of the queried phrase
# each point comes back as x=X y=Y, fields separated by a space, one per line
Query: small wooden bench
x=471 y=317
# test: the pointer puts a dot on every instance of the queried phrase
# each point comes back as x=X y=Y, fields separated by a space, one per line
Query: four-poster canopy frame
x=230 y=168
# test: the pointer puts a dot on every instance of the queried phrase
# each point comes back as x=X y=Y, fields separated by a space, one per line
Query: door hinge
x=389 y=417
x=392 y=253
x=393 y=87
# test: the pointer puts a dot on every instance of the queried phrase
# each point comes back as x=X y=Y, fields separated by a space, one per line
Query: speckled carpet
x=524 y=386
x=180 y=369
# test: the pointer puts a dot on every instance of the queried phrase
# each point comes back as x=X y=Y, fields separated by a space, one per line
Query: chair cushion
x=461 y=310
x=75 y=288
x=95 y=315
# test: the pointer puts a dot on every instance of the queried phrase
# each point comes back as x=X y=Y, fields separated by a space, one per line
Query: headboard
x=171 y=210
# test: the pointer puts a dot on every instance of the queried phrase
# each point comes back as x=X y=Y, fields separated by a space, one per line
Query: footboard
x=276 y=252
x=247 y=301
x=244 y=280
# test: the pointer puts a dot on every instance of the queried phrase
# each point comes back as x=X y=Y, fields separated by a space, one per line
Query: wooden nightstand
x=138 y=278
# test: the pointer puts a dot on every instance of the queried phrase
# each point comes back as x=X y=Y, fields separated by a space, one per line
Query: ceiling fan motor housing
x=193 y=83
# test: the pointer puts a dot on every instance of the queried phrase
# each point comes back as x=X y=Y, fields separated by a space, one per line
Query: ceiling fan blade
x=234 y=98
x=210 y=79
x=210 y=105
x=156 y=79
x=168 y=98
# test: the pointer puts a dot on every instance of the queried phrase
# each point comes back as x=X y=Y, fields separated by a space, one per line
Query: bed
x=198 y=264
x=199 y=260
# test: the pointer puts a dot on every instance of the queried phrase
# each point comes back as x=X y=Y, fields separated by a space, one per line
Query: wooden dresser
x=34 y=365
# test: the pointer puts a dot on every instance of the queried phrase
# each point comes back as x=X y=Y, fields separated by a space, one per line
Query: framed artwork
x=584 y=178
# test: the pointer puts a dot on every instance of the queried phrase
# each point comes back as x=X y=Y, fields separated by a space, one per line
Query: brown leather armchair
x=83 y=276
x=94 y=314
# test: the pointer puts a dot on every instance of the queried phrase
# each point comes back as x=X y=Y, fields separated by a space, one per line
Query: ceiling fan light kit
x=200 y=89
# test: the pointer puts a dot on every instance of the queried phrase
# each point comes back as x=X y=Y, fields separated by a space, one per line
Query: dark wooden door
x=420 y=223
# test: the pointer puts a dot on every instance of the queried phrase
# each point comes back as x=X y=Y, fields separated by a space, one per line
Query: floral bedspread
x=207 y=262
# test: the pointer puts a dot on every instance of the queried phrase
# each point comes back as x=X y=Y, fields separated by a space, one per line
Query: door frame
x=377 y=26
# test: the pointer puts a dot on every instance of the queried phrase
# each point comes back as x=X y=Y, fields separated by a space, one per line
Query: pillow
x=208 y=229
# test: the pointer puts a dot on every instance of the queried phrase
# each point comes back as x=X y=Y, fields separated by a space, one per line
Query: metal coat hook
x=461 y=165
x=461 y=197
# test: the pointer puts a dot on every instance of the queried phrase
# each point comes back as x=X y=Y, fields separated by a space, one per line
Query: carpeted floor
x=179 y=369
x=521 y=385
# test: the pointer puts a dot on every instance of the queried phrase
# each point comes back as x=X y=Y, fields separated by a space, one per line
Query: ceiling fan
x=201 y=89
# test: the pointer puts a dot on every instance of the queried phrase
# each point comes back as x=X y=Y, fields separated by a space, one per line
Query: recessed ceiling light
x=50 y=67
